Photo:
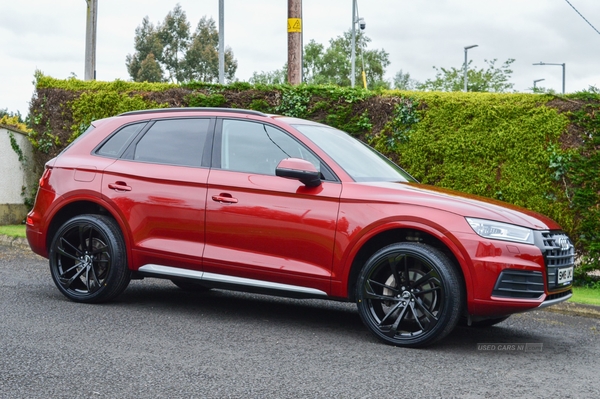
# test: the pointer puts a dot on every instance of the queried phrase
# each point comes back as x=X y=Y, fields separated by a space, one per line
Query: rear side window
x=116 y=144
x=173 y=142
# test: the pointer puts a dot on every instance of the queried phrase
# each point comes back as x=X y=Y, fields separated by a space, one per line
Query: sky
x=418 y=34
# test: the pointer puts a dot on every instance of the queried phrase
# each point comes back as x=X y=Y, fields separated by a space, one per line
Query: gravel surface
x=157 y=341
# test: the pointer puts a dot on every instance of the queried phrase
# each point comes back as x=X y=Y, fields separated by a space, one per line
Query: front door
x=263 y=227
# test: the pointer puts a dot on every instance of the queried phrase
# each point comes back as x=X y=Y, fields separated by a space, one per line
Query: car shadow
x=244 y=307
x=312 y=314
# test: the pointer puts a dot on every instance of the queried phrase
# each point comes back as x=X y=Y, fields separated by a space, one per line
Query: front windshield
x=360 y=161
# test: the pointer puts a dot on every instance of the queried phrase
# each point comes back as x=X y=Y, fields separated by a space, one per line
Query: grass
x=17 y=230
x=588 y=296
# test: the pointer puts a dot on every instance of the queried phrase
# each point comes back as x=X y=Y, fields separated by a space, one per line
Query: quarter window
x=116 y=144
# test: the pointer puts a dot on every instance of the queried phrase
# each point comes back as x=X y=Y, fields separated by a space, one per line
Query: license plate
x=565 y=276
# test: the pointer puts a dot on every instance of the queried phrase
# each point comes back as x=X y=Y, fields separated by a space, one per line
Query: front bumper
x=510 y=277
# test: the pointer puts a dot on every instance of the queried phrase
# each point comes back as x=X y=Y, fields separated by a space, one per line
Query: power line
x=588 y=22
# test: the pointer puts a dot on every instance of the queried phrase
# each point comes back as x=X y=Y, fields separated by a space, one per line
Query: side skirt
x=231 y=282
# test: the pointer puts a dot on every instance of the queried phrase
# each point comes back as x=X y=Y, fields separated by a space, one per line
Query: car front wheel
x=409 y=295
x=88 y=260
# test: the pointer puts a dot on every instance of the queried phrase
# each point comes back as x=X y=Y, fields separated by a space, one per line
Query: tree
x=202 y=57
x=150 y=70
x=403 y=81
x=174 y=35
x=493 y=79
x=276 y=77
x=167 y=52
x=332 y=65
x=146 y=43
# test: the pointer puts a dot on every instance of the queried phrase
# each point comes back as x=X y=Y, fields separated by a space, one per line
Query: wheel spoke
x=427 y=291
x=61 y=251
x=394 y=266
x=386 y=286
x=97 y=251
x=92 y=282
x=416 y=315
x=423 y=279
x=370 y=293
x=389 y=314
x=406 y=271
x=424 y=309
x=394 y=329
x=63 y=242
x=66 y=282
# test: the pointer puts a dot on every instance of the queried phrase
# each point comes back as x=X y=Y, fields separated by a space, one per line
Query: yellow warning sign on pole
x=294 y=25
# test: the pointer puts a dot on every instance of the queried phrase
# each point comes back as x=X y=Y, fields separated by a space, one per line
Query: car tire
x=409 y=295
x=88 y=259
x=190 y=285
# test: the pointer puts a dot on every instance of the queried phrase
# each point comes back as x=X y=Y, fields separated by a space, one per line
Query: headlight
x=501 y=231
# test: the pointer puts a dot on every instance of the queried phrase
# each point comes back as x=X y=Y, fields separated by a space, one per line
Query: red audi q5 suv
x=237 y=199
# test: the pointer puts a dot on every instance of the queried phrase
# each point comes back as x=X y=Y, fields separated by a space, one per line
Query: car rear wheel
x=88 y=260
x=409 y=295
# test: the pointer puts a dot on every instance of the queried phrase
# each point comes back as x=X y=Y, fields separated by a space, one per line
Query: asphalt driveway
x=157 y=341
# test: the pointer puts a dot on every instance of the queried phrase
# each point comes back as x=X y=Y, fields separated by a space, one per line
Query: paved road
x=157 y=341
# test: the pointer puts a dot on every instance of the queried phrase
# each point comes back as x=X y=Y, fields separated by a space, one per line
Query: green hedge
x=536 y=151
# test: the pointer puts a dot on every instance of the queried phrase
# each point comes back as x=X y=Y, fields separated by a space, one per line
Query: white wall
x=13 y=175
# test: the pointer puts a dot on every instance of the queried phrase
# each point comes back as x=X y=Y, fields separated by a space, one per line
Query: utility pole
x=353 y=44
x=90 y=40
x=221 y=42
x=294 y=28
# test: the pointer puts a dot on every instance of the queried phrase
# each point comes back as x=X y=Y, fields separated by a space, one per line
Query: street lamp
x=362 y=25
x=535 y=81
x=563 y=68
x=221 y=42
x=466 y=49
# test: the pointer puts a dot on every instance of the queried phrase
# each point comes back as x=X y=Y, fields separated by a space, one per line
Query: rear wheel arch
x=77 y=208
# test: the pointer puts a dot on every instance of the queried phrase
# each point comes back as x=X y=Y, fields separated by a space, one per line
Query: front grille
x=558 y=253
x=519 y=284
x=558 y=296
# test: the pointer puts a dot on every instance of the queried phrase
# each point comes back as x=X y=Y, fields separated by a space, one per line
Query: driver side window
x=253 y=147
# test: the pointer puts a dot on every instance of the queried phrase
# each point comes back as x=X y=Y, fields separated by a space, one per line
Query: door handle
x=119 y=186
x=224 y=199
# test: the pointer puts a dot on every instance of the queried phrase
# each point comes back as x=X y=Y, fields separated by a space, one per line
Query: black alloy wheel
x=409 y=295
x=88 y=260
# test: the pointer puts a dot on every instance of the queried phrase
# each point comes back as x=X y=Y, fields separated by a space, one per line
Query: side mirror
x=299 y=169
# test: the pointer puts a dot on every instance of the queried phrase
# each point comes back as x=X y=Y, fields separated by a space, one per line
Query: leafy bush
x=531 y=150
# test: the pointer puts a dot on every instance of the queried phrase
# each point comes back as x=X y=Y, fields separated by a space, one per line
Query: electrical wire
x=588 y=22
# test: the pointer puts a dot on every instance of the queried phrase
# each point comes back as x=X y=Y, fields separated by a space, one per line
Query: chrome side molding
x=169 y=271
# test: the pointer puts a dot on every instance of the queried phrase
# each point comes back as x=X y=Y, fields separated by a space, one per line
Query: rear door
x=262 y=227
x=159 y=187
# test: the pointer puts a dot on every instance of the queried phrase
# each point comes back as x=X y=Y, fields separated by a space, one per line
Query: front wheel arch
x=393 y=236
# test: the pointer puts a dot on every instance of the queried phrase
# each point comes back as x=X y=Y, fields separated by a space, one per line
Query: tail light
x=46 y=176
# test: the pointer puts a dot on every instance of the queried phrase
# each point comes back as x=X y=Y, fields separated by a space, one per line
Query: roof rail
x=191 y=109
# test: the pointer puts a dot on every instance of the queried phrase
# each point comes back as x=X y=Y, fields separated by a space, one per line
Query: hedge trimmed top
x=537 y=151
